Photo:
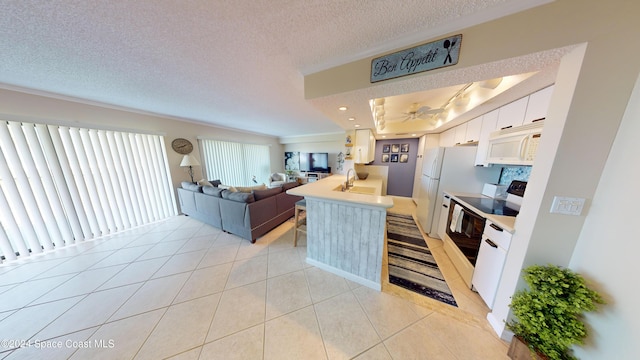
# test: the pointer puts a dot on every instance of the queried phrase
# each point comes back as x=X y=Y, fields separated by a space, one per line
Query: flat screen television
x=314 y=162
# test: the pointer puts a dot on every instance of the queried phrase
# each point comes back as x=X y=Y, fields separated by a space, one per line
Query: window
x=65 y=184
x=236 y=164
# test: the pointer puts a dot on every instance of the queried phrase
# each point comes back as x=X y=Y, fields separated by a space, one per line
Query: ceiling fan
x=417 y=112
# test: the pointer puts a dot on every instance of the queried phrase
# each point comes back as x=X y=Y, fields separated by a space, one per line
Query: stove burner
x=490 y=205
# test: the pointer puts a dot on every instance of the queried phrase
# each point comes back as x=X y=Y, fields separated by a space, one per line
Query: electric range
x=507 y=207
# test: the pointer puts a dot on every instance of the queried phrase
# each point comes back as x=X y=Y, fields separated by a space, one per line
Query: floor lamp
x=190 y=161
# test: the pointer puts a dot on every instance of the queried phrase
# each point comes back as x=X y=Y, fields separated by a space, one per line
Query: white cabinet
x=538 y=105
x=512 y=114
x=489 y=124
x=461 y=131
x=365 y=149
x=444 y=215
x=473 y=130
x=447 y=138
x=490 y=262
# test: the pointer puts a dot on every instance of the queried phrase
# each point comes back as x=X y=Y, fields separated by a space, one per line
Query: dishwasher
x=491 y=258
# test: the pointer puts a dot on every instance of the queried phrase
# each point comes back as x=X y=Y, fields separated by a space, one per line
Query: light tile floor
x=181 y=289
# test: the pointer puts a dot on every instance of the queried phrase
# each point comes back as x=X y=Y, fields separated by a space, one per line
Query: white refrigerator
x=449 y=169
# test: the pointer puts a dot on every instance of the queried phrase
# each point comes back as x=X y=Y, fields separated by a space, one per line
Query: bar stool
x=299 y=225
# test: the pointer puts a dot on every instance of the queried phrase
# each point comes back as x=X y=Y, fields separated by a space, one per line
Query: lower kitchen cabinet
x=490 y=263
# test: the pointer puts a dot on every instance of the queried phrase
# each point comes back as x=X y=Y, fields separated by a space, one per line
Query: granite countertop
x=325 y=189
x=505 y=222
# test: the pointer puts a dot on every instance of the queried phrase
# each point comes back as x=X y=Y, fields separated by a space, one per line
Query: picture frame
x=404 y=148
x=395 y=148
x=404 y=158
x=385 y=158
x=386 y=148
x=394 y=157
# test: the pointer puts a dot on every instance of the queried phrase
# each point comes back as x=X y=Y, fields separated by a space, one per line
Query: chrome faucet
x=350 y=183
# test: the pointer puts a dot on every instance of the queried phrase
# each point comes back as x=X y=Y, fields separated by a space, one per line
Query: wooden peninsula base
x=346 y=230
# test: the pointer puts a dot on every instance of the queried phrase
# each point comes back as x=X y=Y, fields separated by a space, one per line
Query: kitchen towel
x=456 y=219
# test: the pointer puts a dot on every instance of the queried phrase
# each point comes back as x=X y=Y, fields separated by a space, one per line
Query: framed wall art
x=386 y=148
x=394 y=157
x=395 y=148
x=404 y=148
x=385 y=158
x=404 y=158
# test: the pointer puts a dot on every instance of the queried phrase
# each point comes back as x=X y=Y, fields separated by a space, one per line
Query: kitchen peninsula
x=346 y=229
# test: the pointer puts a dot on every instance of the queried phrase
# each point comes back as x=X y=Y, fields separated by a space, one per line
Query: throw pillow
x=215 y=182
x=248 y=189
x=276 y=177
x=204 y=182
x=238 y=196
x=191 y=186
x=262 y=194
x=227 y=187
x=212 y=190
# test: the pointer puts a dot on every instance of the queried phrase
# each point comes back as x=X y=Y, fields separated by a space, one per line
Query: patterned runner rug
x=411 y=264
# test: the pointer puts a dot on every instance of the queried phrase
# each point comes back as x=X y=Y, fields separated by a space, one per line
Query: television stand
x=313 y=176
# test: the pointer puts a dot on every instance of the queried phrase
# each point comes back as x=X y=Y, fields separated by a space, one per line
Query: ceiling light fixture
x=490 y=84
x=342 y=108
x=462 y=101
x=351 y=118
x=357 y=125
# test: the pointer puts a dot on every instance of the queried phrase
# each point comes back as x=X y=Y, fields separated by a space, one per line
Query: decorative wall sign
x=434 y=55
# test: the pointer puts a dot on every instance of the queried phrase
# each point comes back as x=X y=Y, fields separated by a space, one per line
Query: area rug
x=411 y=264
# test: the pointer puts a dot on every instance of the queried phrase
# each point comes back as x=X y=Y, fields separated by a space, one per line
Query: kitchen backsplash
x=510 y=173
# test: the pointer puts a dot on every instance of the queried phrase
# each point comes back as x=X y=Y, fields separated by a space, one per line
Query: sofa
x=246 y=214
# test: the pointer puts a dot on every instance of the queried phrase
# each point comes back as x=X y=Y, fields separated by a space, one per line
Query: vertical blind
x=61 y=185
x=235 y=164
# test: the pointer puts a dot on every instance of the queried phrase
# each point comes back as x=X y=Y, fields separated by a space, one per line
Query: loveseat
x=246 y=214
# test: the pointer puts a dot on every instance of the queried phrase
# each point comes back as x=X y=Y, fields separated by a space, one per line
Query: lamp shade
x=189 y=160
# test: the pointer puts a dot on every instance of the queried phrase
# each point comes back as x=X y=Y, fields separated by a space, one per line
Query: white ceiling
x=236 y=64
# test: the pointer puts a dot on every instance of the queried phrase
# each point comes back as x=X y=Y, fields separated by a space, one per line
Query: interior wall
x=606 y=252
x=401 y=175
x=20 y=106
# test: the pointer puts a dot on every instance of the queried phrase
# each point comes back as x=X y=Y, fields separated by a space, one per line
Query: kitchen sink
x=358 y=190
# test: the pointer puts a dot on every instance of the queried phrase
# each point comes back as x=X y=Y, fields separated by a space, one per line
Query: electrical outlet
x=567 y=205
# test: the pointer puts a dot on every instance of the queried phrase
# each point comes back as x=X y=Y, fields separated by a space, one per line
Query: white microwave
x=516 y=145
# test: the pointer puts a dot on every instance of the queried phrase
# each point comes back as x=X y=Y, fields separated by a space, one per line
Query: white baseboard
x=347 y=275
x=499 y=327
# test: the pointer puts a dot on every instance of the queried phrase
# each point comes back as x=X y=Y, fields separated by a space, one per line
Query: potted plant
x=549 y=313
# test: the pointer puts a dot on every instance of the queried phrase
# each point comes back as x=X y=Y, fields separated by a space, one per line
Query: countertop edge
x=324 y=189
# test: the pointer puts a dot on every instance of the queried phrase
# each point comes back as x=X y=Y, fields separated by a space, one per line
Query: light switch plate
x=567 y=205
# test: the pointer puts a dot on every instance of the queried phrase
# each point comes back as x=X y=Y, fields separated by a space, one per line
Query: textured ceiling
x=237 y=64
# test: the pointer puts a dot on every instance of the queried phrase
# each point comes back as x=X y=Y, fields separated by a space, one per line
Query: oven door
x=467 y=236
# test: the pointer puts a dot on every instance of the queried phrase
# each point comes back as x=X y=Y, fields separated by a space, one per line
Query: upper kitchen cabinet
x=460 y=134
x=489 y=124
x=538 y=104
x=448 y=137
x=512 y=114
x=474 y=128
x=365 y=149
